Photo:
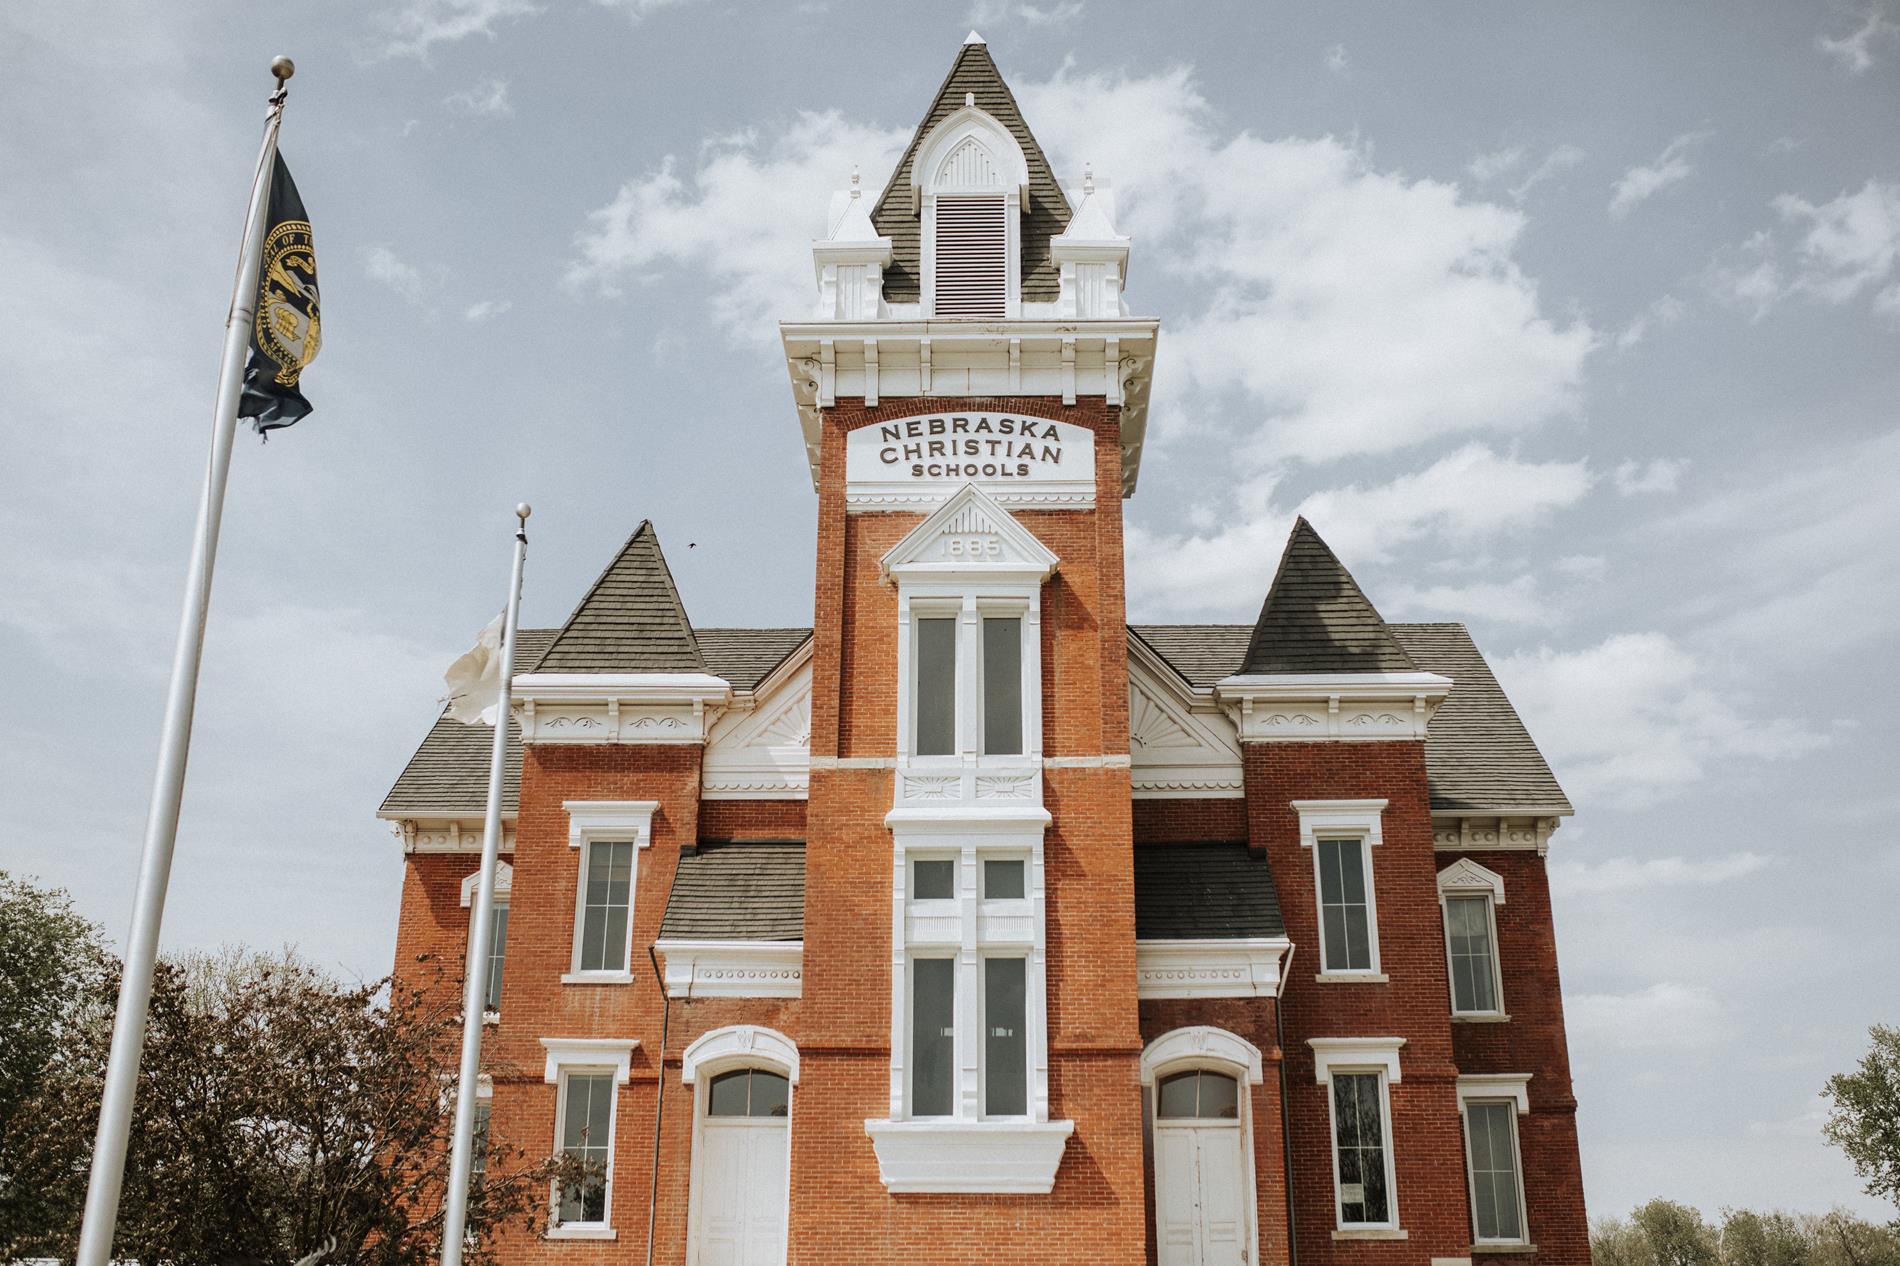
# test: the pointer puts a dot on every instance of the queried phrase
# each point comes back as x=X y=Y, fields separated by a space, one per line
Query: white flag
x=474 y=680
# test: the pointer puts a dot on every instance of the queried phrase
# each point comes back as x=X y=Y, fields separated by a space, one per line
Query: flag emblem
x=287 y=331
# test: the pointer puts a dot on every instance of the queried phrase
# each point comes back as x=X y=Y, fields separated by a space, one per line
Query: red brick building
x=974 y=923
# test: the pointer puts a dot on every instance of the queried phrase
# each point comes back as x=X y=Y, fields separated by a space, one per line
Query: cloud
x=640 y=9
x=1496 y=163
x=1518 y=601
x=384 y=265
x=1663 y=1017
x=997 y=12
x=1493 y=166
x=488 y=98
x=1336 y=60
x=1748 y=276
x=1645 y=181
x=1849 y=242
x=743 y=217
x=1854 y=51
x=417 y=26
x=486 y=310
x=1228 y=564
x=1659 y=475
x=1630 y=874
x=1663 y=312
x=1640 y=717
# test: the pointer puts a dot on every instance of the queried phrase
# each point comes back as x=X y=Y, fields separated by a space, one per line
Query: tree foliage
x=1864 y=1121
x=1662 y=1232
x=278 y=1109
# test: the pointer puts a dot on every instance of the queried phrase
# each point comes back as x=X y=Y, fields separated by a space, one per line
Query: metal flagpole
x=174 y=744
x=481 y=927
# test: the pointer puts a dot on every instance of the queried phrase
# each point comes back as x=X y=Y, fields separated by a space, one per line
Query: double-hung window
x=1497 y=1180
x=944 y=668
x=933 y=1032
x=1343 y=836
x=587 y=1118
x=1358 y=1073
x=497 y=957
x=606 y=906
x=1474 y=962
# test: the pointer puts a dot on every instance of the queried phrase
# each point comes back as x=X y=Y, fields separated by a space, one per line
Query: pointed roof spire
x=974 y=38
x=1316 y=619
x=631 y=621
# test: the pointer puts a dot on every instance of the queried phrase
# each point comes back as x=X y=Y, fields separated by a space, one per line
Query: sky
x=1577 y=323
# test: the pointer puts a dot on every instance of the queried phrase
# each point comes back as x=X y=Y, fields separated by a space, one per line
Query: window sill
x=1480 y=1017
x=597 y=978
x=582 y=1233
x=1353 y=978
x=1372 y=1233
x=1498 y=1246
x=1019 y=1157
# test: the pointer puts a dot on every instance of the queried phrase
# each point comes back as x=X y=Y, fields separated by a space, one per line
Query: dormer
x=969 y=184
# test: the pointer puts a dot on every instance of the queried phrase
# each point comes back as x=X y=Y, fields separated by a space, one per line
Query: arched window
x=972 y=179
x=1202 y=1145
x=749 y=1092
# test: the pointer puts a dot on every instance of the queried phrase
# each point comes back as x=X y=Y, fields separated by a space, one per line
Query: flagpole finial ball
x=283 y=68
x=523 y=510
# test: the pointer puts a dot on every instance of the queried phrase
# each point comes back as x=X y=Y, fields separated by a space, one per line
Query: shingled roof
x=631 y=621
x=1187 y=891
x=1478 y=755
x=1316 y=619
x=747 y=890
x=1046 y=215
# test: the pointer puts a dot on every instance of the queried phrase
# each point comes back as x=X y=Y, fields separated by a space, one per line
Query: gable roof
x=1316 y=619
x=1046 y=215
x=751 y=890
x=1478 y=755
x=632 y=620
x=1188 y=891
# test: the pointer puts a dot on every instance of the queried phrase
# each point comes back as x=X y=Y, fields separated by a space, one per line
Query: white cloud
x=384 y=265
x=1639 y=717
x=1854 y=51
x=997 y=12
x=1336 y=59
x=638 y=9
x=417 y=26
x=1496 y=163
x=1850 y=242
x=1748 y=276
x=1518 y=601
x=1659 y=475
x=486 y=310
x=1646 y=180
x=488 y=98
x=1493 y=166
x=743 y=219
x=1230 y=561
x=1663 y=1017
x=1631 y=874
x=1665 y=311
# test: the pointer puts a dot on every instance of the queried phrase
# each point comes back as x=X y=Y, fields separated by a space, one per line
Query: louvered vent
x=972 y=268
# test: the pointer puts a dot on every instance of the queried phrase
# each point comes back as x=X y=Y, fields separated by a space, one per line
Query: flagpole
x=174 y=744
x=481 y=927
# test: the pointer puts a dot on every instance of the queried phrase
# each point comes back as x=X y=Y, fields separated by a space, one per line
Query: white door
x=740 y=1178
x=1202 y=1198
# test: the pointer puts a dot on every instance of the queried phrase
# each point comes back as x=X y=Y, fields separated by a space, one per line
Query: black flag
x=286 y=334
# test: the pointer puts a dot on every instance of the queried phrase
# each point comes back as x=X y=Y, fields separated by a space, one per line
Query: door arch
x=739 y=1203
x=1196 y=1083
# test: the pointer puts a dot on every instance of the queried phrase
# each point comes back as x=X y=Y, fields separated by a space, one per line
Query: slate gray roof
x=632 y=620
x=745 y=890
x=1478 y=754
x=448 y=775
x=449 y=772
x=1184 y=891
x=1316 y=619
x=1046 y=215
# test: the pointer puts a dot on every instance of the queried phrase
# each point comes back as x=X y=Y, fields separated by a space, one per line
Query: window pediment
x=969 y=146
x=969 y=535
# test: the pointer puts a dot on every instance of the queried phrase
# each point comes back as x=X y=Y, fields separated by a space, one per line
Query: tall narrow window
x=587 y=1113
x=1002 y=686
x=478 y=1156
x=932 y=1036
x=937 y=686
x=1474 y=975
x=1359 y=1149
x=497 y=955
x=1345 y=913
x=972 y=274
x=1005 y=1038
x=1497 y=1208
x=608 y=880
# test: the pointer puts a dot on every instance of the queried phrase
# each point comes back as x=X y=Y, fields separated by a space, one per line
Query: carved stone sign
x=1024 y=462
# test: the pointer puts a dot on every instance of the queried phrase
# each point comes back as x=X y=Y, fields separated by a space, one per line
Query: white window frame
x=723 y=1050
x=567 y=1056
x=504 y=889
x=1467 y=879
x=1345 y=820
x=969 y=609
x=1496 y=1088
x=606 y=822
x=1010 y=168
x=1368 y=1055
x=1210 y=1049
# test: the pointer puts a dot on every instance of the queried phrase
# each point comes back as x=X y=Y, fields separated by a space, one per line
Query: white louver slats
x=971 y=257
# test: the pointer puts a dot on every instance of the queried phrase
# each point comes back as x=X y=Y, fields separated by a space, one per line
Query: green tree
x=1864 y=1121
x=1676 y=1234
x=1764 y=1239
x=1616 y=1242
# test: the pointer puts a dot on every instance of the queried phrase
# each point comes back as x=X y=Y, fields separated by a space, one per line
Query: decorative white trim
x=1202 y=1046
x=969 y=538
x=740 y=1046
x=1181 y=746
x=1355 y=1054
x=1340 y=818
x=1011 y=165
x=673 y=708
x=1019 y=459
x=1347 y=707
x=581 y=1231
x=1345 y=820
x=732 y=969
x=760 y=748
x=1465 y=877
x=610 y=820
x=1512 y=1086
x=969 y=1156
x=504 y=885
x=443 y=833
x=1493 y=832
x=1210 y=968
x=588 y=1054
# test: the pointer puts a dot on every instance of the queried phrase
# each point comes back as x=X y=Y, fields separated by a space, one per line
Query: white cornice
x=606 y=1054
x=618 y=707
x=732 y=969
x=1353 y=1053
x=969 y=1156
x=1512 y=1086
x=1182 y=745
x=446 y=831
x=1493 y=831
x=1210 y=967
x=1348 y=707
